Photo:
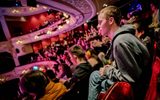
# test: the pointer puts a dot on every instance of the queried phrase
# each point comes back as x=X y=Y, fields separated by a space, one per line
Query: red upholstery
x=118 y=91
x=152 y=91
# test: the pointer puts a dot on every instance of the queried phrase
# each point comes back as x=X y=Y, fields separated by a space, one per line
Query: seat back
x=152 y=92
x=118 y=91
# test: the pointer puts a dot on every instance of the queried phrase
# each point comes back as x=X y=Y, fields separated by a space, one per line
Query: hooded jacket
x=130 y=55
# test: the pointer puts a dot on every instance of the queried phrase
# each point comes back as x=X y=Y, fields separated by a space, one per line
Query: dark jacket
x=79 y=83
x=130 y=55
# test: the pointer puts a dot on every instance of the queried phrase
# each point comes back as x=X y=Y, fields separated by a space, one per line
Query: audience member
x=37 y=84
x=130 y=56
x=79 y=80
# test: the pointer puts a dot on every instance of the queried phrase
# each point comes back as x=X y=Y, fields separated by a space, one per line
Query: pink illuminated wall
x=37 y=46
x=46 y=43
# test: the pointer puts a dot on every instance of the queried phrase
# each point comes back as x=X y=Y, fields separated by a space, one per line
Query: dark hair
x=34 y=82
x=140 y=27
x=50 y=74
x=78 y=51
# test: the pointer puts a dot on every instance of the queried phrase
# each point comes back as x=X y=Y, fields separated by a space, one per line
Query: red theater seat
x=152 y=93
x=118 y=91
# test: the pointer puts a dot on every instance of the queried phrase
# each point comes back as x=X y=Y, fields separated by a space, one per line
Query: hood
x=127 y=27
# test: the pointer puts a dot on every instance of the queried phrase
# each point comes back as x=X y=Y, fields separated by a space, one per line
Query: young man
x=79 y=80
x=130 y=55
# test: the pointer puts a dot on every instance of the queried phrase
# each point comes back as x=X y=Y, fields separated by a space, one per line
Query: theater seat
x=153 y=90
x=118 y=91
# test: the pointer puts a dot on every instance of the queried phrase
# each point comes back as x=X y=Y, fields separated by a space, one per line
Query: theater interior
x=28 y=27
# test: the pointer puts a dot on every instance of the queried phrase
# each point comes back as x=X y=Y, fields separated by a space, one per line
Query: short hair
x=50 y=74
x=141 y=26
x=34 y=82
x=78 y=51
x=112 y=11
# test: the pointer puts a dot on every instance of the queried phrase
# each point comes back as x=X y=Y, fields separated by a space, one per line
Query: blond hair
x=112 y=11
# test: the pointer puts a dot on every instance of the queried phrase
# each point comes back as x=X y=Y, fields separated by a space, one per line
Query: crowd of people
x=59 y=16
x=89 y=64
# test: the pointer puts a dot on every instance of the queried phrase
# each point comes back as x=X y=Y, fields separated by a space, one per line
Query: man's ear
x=111 y=20
x=142 y=32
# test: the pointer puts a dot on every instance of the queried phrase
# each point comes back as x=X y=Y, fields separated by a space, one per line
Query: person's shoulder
x=124 y=38
x=123 y=30
x=85 y=65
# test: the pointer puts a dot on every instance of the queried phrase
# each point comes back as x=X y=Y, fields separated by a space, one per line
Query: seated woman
x=37 y=84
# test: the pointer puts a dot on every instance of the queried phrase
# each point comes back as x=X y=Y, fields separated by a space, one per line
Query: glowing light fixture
x=67 y=21
x=44 y=7
x=15 y=11
x=65 y=15
x=32 y=8
x=60 y=27
x=36 y=37
x=19 y=42
x=49 y=32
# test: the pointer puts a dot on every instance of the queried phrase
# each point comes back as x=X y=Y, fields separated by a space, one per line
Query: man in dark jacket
x=130 y=56
x=79 y=80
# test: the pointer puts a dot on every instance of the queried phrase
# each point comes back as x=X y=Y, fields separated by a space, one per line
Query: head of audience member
x=50 y=74
x=95 y=41
x=34 y=83
x=78 y=53
x=139 y=28
x=109 y=21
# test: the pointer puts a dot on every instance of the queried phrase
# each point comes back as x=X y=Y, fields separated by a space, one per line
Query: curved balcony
x=78 y=10
x=22 y=69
